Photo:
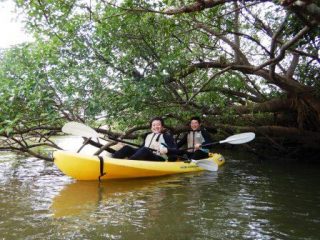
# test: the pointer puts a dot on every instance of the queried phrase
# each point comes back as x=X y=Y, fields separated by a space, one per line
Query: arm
x=206 y=136
x=169 y=141
x=168 y=144
x=170 y=147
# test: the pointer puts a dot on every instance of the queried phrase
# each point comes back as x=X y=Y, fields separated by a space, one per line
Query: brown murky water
x=245 y=199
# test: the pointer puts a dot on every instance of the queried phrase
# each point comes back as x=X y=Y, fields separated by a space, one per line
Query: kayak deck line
x=84 y=167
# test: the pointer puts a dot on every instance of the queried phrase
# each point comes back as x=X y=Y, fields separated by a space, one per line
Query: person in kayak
x=155 y=147
x=196 y=137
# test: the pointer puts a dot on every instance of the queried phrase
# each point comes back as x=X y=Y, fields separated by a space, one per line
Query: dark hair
x=195 y=118
x=157 y=119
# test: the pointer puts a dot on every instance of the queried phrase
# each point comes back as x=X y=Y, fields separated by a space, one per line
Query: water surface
x=245 y=199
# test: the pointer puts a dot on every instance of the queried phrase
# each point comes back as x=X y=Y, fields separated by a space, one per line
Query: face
x=195 y=125
x=156 y=126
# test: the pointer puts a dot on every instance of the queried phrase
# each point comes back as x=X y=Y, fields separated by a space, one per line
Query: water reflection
x=243 y=200
x=85 y=196
x=136 y=208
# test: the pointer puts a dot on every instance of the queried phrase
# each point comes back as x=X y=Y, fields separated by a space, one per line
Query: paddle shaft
x=122 y=141
x=111 y=150
x=106 y=147
x=204 y=145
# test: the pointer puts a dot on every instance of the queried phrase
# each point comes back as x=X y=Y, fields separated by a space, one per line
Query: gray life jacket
x=193 y=138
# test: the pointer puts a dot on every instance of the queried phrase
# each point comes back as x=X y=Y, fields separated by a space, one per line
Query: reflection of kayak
x=83 y=197
x=83 y=167
x=75 y=199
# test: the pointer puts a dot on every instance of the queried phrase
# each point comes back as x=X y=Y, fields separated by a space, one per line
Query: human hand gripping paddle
x=80 y=129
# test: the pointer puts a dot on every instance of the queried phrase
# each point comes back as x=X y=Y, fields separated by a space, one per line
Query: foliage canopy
x=254 y=61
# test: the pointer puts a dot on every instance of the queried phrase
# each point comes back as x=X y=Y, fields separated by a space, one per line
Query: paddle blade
x=239 y=138
x=206 y=164
x=79 y=129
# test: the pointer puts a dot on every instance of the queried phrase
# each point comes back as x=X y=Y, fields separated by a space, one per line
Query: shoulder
x=167 y=135
x=147 y=134
x=205 y=134
x=169 y=140
x=203 y=130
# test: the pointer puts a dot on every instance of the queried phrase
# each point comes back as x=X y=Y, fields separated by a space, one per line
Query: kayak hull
x=83 y=167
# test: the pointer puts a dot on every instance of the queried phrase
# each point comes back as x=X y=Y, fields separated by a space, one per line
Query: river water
x=245 y=199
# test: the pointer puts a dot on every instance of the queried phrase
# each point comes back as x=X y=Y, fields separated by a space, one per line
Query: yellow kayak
x=83 y=167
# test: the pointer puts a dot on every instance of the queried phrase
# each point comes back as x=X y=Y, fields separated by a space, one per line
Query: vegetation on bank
x=242 y=65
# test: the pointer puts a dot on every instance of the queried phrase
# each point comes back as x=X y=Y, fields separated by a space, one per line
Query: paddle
x=203 y=163
x=234 y=139
x=80 y=129
x=206 y=164
x=122 y=141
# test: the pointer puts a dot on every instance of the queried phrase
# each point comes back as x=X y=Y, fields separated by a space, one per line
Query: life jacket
x=154 y=141
x=193 y=138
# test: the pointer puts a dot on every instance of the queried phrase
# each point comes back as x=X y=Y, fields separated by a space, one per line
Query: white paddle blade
x=239 y=138
x=206 y=164
x=79 y=129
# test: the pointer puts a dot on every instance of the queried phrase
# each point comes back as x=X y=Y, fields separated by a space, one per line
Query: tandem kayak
x=84 y=167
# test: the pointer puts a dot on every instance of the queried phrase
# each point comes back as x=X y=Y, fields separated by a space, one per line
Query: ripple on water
x=240 y=201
